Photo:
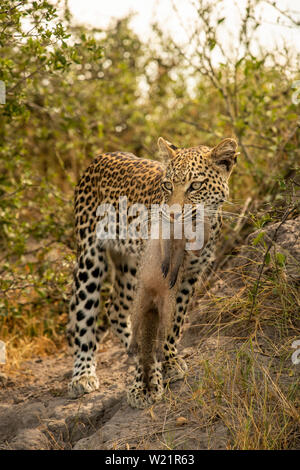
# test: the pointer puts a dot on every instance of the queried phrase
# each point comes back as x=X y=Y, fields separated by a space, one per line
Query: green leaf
x=258 y=238
x=280 y=259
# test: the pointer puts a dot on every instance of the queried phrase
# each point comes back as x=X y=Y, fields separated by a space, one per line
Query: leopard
x=182 y=175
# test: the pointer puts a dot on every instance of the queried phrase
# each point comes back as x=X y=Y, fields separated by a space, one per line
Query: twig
x=7 y=195
x=202 y=129
x=241 y=216
x=222 y=260
x=284 y=13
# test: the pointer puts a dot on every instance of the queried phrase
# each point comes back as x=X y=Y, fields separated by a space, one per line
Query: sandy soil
x=36 y=413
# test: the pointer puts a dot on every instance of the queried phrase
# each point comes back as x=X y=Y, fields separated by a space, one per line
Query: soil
x=36 y=412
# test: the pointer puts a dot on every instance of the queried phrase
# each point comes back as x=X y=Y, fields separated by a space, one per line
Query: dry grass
x=19 y=350
x=33 y=307
x=253 y=399
x=252 y=388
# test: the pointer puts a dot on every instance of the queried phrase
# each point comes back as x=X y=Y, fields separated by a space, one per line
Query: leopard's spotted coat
x=116 y=174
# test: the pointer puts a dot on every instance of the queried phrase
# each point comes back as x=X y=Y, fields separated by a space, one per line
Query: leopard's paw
x=139 y=396
x=174 y=369
x=84 y=384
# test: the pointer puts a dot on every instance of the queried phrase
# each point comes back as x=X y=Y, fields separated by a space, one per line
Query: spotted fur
x=110 y=176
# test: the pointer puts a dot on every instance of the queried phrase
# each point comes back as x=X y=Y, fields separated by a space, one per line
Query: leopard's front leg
x=147 y=386
x=174 y=367
x=89 y=274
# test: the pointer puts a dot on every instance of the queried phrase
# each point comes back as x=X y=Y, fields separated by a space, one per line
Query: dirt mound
x=37 y=414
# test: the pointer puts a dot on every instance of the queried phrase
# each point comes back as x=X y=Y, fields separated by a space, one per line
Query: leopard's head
x=197 y=175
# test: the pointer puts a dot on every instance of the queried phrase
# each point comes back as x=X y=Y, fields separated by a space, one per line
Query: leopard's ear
x=166 y=149
x=224 y=154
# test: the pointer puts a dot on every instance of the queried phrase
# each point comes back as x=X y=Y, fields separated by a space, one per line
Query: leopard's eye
x=167 y=185
x=195 y=185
